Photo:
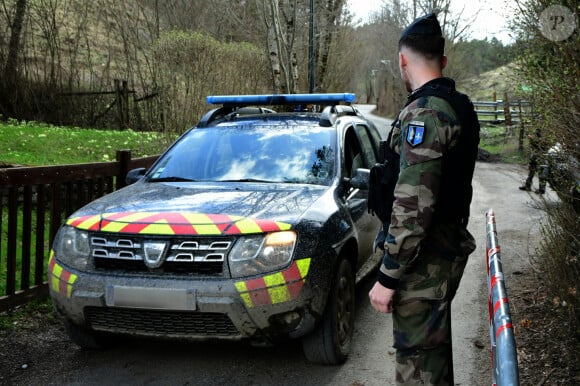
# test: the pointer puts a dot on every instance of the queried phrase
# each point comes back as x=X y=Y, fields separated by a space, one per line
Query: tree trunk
x=280 y=20
x=328 y=24
x=9 y=78
x=273 y=53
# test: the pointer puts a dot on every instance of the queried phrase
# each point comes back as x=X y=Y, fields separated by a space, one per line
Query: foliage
x=72 y=46
x=377 y=52
x=559 y=259
x=549 y=71
x=72 y=51
x=483 y=55
x=37 y=144
x=494 y=83
x=191 y=66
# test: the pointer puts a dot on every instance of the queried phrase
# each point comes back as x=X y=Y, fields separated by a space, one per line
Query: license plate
x=151 y=298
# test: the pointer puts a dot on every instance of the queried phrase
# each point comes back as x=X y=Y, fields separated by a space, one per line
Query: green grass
x=26 y=315
x=503 y=146
x=37 y=144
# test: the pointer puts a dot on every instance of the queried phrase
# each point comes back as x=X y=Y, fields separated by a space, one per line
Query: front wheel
x=330 y=342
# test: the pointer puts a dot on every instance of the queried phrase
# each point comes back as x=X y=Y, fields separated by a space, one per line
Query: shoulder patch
x=415 y=133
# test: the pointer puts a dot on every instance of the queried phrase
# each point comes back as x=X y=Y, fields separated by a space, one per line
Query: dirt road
x=42 y=354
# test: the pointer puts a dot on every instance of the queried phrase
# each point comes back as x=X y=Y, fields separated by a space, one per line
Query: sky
x=491 y=20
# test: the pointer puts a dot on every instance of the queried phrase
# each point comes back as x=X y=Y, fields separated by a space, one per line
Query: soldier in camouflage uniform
x=427 y=244
x=538 y=149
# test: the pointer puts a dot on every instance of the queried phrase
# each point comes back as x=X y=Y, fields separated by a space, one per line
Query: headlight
x=253 y=255
x=71 y=247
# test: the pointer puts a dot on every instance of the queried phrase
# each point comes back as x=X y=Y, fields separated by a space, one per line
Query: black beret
x=427 y=25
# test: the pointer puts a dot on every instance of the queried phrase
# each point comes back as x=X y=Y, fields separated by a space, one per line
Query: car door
x=359 y=152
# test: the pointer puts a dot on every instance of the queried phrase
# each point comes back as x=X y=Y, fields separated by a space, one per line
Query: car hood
x=195 y=208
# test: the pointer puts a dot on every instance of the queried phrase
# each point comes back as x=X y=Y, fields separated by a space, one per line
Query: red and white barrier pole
x=501 y=332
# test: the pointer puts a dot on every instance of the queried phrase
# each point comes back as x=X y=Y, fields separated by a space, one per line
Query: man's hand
x=381 y=298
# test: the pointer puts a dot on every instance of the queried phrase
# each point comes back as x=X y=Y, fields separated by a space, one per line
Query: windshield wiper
x=172 y=179
x=248 y=180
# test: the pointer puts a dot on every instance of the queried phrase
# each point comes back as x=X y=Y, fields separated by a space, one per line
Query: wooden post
x=119 y=101
x=494 y=106
x=125 y=104
x=522 y=127
x=56 y=214
x=506 y=110
x=124 y=159
x=11 y=249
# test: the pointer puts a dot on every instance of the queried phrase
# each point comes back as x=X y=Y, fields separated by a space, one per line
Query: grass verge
x=21 y=315
x=38 y=144
x=502 y=144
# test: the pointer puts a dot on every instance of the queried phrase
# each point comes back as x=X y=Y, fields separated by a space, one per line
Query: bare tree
x=279 y=17
x=10 y=72
x=329 y=20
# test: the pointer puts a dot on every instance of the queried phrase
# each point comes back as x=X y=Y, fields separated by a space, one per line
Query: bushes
x=559 y=261
x=549 y=70
x=191 y=66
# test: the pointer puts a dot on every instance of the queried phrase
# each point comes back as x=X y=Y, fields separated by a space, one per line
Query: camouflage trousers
x=422 y=321
x=534 y=167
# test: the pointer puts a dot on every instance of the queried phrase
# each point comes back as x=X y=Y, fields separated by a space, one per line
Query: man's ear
x=443 y=62
x=402 y=60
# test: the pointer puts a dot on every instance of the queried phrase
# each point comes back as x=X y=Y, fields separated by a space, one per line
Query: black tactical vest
x=458 y=163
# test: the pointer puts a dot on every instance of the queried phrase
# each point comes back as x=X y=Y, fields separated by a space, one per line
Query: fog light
x=287 y=321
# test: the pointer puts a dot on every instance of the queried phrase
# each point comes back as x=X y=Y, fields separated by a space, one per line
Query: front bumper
x=281 y=304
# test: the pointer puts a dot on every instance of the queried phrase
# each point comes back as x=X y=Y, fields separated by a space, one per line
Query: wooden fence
x=34 y=202
x=123 y=110
x=509 y=113
x=504 y=111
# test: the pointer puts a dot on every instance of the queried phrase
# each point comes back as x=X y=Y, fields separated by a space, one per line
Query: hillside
x=499 y=80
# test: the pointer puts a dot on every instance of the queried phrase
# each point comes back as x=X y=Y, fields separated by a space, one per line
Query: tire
x=330 y=342
x=87 y=339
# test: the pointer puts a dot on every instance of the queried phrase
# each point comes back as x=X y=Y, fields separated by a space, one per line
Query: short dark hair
x=430 y=46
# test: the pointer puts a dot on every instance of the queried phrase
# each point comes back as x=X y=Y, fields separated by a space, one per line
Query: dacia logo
x=154 y=252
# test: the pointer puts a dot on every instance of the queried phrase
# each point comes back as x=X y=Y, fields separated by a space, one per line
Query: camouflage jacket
x=425 y=130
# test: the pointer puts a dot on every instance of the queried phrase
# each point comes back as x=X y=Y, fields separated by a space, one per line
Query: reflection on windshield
x=252 y=153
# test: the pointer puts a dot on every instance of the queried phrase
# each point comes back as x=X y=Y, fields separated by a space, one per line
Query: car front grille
x=160 y=323
x=205 y=256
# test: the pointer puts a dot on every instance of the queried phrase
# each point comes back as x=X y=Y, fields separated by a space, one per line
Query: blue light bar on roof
x=279 y=99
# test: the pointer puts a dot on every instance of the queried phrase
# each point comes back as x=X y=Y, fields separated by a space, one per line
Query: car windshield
x=277 y=152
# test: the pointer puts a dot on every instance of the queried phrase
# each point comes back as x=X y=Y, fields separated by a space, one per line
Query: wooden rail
x=503 y=112
x=34 y=202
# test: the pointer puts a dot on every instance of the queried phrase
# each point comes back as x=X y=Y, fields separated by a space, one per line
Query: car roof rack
x=235 y=105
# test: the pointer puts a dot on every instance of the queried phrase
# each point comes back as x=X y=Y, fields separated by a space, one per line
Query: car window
x=270 y=153
x=353 y=155
x=367 y=145
x=375 y=138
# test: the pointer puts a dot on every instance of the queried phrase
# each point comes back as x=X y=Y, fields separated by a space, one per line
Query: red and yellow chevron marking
x=61 y=280
x=275 y=288
x=175 y=223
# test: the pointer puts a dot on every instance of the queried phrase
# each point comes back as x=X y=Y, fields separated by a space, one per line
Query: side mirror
x=134 y=175
x=360 y=180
